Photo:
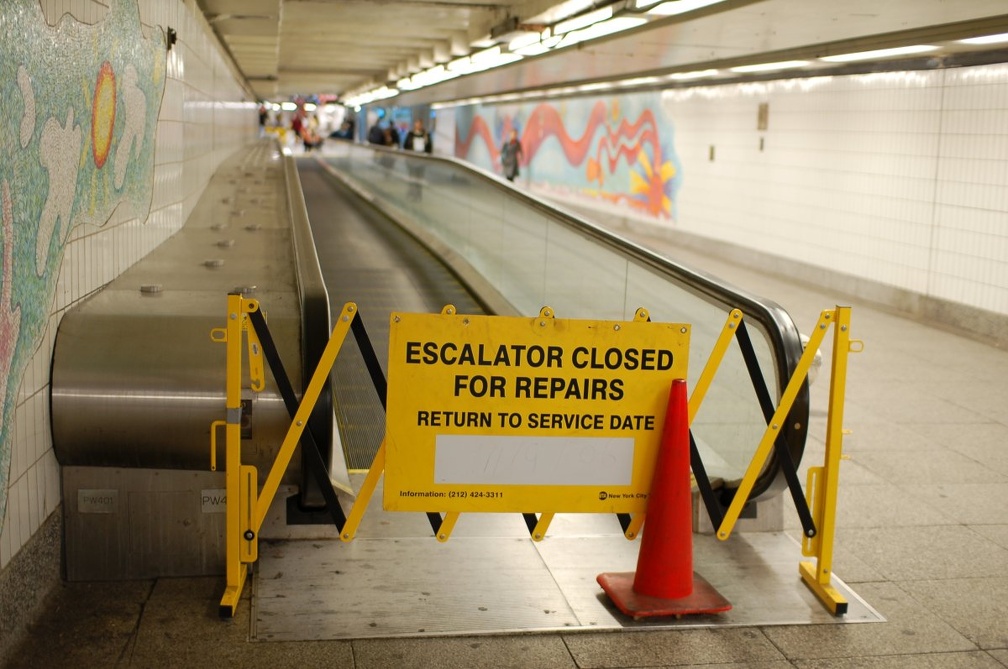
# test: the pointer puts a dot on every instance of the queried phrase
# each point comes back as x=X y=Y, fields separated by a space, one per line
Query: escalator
x=367 y=259
x=391 y=240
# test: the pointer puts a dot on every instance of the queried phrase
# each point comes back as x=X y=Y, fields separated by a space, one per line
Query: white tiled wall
x=205 y=116
x=900 y=178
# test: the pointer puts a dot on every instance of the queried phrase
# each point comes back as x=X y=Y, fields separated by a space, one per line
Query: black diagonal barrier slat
x=370 y=359
x=704 y=484
x=309 y=447
x=787 y=464
x=531 y=520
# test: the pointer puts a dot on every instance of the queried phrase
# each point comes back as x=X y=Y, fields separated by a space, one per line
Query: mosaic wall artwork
x=618 y=151
x=78 y=110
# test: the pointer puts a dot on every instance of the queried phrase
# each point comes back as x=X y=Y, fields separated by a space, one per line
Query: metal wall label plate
x=105 y=500
x=213 y=500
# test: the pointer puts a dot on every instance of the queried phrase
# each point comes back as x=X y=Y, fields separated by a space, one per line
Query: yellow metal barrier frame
x=703 y=384
x=244 y=519
x=821 y=491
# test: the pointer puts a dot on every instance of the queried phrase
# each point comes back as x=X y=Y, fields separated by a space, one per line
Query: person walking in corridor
x=417 y=139
x=511 y=155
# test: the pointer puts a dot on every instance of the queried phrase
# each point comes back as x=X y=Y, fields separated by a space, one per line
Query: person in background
x=344 y=131
x=298 y=125
x=263 y=118
x=310 y=134
x=384 y=136
x=391 y=136
x=511 y=155
x=417 y=139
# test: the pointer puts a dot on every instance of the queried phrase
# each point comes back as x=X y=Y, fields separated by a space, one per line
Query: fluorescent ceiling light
x=767 y=67
x=477 y=62
x=986 y=39
x=695 y=74
x=616 y=25
x=428 y=76
x=492 y=57
x=485 y=58
x=288 y=106
x=674 y=7
x=583 y=21
x=879 y=53
x=539 y=47
x=310 y=106
x=532 y=50
x=505 y=58
x=561 y=11
x=372 y=95
x=483 y=42
x=460 y=65
x=433 y=75
x=376 y=94
x=601 y=29
x=637 y=81
x=523 y=41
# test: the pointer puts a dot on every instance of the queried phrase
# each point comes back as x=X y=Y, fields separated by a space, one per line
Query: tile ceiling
x=287 y=48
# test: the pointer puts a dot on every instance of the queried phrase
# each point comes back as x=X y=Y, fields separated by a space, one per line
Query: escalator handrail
x=316 y=324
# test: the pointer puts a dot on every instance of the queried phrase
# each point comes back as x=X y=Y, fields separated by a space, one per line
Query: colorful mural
x=618 y=151
x=78 y=111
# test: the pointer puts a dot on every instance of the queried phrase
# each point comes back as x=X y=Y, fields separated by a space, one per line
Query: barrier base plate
x=491 y=578
x=703 y=599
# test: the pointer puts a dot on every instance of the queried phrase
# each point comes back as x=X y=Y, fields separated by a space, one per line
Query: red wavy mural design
x=479 y=128
x=626 y=142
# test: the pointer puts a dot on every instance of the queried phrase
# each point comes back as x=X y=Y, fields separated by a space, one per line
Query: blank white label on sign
x=518 y=460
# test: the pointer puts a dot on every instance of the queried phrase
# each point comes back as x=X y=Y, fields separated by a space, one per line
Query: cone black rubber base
x=703 y=599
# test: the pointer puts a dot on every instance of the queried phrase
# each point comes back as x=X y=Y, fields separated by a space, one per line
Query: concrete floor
x=922 y=537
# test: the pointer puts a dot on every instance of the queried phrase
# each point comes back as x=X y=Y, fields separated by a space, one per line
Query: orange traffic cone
x=665 y=583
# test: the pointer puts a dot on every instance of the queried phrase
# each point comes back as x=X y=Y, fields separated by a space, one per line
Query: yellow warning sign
x=505 y=414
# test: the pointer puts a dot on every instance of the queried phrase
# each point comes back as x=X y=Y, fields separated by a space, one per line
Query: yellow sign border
x=526 y=414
